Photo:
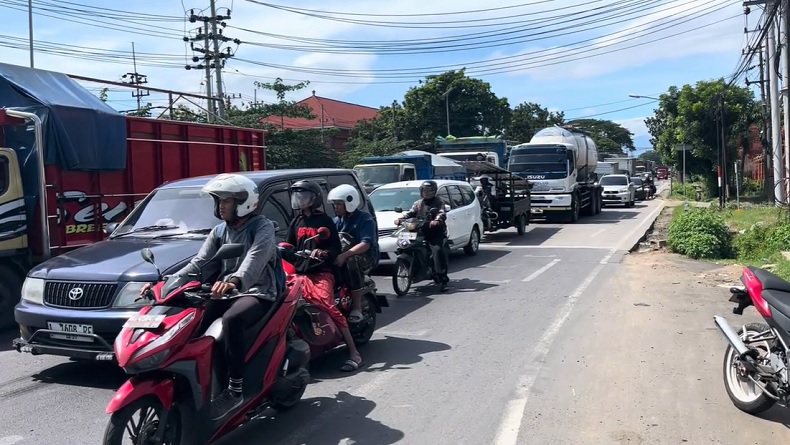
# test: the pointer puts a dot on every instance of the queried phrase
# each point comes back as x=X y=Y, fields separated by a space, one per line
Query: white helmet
x=238 y=187
x=347 y=194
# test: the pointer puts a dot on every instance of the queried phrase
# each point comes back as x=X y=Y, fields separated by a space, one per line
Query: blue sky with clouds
x=583 y=57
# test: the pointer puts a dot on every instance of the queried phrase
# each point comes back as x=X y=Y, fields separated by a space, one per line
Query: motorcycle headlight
x=130 y=293
x=33 y=290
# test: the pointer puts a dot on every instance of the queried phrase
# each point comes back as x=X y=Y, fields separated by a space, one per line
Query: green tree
x=689 y=115
x=610 y=137
x=474 y=109
x=143 y=111
x=528 y=117
x=650 y=155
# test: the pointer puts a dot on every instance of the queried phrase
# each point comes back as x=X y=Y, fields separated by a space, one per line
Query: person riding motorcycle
x=436 y=232
x=486 y=192
x=648 y=180
x=235 y=201
x=318 y=277
x=362 y=257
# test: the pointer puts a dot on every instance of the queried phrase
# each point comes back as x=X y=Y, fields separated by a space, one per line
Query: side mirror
x=148 y=255
x=228 y=251
x=323 y=233
x=110 y=228
x=398 y=209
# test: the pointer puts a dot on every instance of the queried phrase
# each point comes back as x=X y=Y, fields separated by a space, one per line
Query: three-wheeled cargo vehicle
x=507 y=203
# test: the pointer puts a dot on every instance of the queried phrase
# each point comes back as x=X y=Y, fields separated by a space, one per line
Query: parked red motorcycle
x=315 y=326
x=177 y=370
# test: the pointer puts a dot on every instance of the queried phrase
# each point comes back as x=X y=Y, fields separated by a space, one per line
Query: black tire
x=521 y=225
x=368 y=307
x=401 y=263
x=474 y=242
x=116 y=432
x=574 y=214
x=763 y=402
x=10 y=292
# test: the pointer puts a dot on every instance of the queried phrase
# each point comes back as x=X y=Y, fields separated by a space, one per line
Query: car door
x=461 y=215
x=471 y=207
x=277 y=207
x=452 y=214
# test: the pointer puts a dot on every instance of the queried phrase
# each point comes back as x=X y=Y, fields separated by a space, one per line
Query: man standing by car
x=363 y=256
x=432 y=207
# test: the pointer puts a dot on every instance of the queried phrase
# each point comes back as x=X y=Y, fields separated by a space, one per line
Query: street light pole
x=447 y=107
x=638 y=96
x=30 y=28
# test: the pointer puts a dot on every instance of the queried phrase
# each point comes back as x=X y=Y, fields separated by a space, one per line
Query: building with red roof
x=329 y=114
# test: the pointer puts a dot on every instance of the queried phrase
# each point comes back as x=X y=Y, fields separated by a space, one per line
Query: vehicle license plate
x=144 y=321
x=407 y=236
x=70 y=331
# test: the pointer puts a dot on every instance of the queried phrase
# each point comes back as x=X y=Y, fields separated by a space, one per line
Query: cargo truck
x=491 y=149
x=625 y=165
x=71 y=167
x=560 y=164
x=408 y=165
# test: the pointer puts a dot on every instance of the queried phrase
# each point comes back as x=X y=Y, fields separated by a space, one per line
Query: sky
x=582 y=57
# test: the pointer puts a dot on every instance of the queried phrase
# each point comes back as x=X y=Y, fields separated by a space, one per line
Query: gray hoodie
x=254 y=267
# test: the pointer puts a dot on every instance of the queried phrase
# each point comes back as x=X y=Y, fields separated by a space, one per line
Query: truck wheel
x=521 y=225
x=574 y=216
x=598 y=203
x=10 y=291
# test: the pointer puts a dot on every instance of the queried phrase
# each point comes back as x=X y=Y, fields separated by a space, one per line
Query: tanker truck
x=560 y=164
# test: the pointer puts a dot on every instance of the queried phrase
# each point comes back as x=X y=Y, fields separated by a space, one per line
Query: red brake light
x=755 y=289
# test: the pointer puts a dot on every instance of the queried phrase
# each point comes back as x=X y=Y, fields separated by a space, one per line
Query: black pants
x=436 y=241
x=355 y=268
x=237 y=315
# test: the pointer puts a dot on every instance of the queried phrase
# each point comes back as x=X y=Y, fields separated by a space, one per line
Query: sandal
x=355 y=316
x=350 y=365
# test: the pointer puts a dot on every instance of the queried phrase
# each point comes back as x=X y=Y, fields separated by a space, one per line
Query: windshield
x=637 y=182
x=614 y=180
x=172 y=211
x=378 y=175
x=539 y=163
x=385 y=200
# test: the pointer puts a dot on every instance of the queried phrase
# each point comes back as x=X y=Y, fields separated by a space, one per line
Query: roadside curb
x=647 y=231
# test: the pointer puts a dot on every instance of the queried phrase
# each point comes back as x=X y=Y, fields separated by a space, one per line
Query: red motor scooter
x=178 y=371
x=314 y=325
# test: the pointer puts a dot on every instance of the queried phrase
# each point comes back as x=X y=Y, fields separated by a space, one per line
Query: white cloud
x=635 y=125
x=608 y=55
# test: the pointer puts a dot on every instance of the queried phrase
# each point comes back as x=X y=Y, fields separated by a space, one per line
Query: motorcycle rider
x=648 y=180
x=436 y=233
x=318 y=277
x=363 y=256
x=235 y=201
x=486 y=192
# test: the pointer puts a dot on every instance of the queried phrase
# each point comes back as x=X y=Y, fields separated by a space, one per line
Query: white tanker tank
x=585 y=151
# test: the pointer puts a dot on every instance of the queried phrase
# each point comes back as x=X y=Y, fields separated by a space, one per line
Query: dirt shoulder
x=642 y=363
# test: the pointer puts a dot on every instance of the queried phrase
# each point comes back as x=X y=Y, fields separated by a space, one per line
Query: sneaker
x=226 y=402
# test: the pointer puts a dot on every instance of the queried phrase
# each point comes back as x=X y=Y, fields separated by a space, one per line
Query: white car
x=618 y=189
x=464 y=219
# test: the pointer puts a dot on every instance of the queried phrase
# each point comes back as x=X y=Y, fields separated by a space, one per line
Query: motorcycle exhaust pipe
x=731 y=335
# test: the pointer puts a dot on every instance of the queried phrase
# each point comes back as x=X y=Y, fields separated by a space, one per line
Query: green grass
x=744 y=218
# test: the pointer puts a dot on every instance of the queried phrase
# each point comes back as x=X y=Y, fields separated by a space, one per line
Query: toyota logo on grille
x=75 y=294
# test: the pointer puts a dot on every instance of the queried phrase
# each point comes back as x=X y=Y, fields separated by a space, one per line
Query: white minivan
x=464 y=219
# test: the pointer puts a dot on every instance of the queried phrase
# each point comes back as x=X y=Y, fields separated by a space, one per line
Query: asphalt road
x=453 y=368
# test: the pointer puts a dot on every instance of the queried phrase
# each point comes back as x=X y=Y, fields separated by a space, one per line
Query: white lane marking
x=507 y=433
x=539 y=256
x=507 y=247
x=541 y=270
x=397 y=333
x=10 y=440
x=598 y=232
x=643 y=225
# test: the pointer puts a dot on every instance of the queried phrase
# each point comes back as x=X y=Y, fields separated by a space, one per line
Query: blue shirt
x=362 y=227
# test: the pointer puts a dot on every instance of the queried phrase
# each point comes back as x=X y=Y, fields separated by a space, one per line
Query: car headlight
x=624 y=190
x=33 y=290
x=130 y=293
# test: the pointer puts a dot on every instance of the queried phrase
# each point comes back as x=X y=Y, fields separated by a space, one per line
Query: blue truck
x=375 y=171
x=492 y=149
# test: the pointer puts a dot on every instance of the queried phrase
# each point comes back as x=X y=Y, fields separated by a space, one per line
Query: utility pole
x=30 y=28
x=213 y=55
x=137 y=79
x=786 y=91
x=447 y=107
x=776 y=138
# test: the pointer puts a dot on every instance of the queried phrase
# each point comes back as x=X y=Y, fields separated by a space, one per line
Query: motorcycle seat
x=780 y=300
x=770 y=281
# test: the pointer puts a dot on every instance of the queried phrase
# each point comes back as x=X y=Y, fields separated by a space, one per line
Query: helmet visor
x=302 y=199
x=427 y=192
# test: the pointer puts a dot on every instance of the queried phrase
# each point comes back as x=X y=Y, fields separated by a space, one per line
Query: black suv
x=75 y=304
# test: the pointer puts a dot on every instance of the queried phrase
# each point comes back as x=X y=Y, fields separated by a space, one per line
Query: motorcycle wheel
x=401 y=278
x=744 y=393
x=140 y=432
x=363 y=336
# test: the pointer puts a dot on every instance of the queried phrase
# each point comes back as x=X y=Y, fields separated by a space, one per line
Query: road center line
x=507 y=433
x=541 y=270
x=598 y=232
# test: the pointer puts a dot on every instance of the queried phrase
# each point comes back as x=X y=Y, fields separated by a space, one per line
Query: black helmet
x=306 y=194
x=428 y=189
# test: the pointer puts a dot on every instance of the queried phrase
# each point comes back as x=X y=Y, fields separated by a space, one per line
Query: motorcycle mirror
x=398 y=209
x=228 y=251
x=323 y=233
x=148 y=256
